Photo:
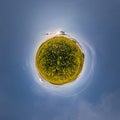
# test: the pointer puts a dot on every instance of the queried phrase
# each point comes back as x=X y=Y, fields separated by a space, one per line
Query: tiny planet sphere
x=59 y=60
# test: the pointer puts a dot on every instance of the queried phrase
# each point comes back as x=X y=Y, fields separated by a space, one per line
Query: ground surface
x=59 y=60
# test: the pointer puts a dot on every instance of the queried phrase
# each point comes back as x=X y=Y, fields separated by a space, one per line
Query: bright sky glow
x=83 y=79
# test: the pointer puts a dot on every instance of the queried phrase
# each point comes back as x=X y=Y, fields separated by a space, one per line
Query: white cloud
x=108 y=108
x=73 y=108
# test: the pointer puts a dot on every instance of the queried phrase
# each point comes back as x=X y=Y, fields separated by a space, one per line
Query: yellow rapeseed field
x=59 y=60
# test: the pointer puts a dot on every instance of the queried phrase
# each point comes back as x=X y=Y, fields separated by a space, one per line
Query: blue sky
x=22 y=22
